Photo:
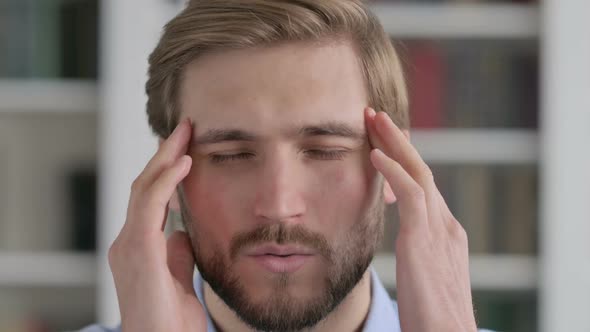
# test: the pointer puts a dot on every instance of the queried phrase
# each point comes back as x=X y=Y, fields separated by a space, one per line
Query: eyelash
x=220 y=158
x=326 y=154
x=317 y=154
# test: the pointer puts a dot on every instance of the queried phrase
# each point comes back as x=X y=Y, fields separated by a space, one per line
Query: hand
x=433 y=286
x=154 y=275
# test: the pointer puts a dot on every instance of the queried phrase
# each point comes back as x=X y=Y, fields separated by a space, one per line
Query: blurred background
x=498 y=110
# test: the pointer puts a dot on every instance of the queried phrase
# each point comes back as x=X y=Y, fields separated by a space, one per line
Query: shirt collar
x=383 y=314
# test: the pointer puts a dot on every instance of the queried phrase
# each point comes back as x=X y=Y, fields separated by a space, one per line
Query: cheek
x=208 y=197
x=343 y=193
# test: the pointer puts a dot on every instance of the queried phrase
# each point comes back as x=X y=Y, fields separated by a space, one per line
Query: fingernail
x=376 y=157
x=378 y=152
x=178 y=125
x=181 y=124
x=185 y=161
x=371 y=113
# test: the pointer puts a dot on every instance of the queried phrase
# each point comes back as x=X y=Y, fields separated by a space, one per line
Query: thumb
x=181 y=261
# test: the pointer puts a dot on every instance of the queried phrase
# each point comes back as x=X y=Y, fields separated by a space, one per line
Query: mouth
x=279 y=250
x=280 y=259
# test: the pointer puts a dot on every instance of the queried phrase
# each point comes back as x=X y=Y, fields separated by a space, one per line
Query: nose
x=279 y=196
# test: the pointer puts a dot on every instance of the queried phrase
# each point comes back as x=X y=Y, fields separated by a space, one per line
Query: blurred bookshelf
x=458 y=19
x=48 y=139
x=48 y=95
x=48 y=269
x=473 y=73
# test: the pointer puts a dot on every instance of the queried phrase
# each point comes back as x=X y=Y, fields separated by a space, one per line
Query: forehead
x=270 y=89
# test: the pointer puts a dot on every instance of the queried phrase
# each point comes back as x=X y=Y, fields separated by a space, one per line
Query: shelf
x=488 y=272
x=55 y=269
x=39 y=95
x=487 y=146
x=459 y=20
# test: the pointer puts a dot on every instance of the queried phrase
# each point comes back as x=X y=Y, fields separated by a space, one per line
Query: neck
x=349 y=315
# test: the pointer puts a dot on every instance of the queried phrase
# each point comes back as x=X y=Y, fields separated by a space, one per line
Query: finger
x=151 y=207
x=374 y=139
x=169 y=151
x=181 y=260
x=410 y=195
x=397 y=147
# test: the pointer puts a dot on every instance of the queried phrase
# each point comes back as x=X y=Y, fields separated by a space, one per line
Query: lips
x=280 y=259
x=279 y=250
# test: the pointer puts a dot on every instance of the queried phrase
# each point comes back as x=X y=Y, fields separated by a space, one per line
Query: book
x=491 y=84
x=15 y=35
x=519 y=211
x=472 y=195
x=82 y=192
x=426 y=76
x=79 y=35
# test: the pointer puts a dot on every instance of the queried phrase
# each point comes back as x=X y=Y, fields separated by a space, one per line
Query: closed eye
x=326 y=154
x=220 y=158
x=312 y=153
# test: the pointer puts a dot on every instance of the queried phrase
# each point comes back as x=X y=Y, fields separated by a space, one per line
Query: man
x=284 y=132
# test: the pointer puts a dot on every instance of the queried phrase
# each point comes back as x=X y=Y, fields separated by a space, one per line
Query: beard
x=347 y=261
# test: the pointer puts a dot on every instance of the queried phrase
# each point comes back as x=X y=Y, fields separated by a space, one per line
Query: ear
x=173 y=203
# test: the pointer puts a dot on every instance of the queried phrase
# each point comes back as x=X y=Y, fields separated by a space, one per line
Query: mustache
x=280 y=234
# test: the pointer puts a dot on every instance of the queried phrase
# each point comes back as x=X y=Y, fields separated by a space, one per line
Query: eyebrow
x=339 y=129
x=213 y=136
x=332 y=128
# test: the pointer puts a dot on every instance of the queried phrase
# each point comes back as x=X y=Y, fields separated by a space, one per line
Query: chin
x=258 y=282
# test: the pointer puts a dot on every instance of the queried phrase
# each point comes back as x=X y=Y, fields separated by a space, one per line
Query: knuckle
x=136 y=186
x=457 y=231
x=417 y=193
x=426 y=173
x=113 y=253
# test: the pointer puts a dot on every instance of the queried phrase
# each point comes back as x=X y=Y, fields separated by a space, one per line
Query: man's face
x=286 y=207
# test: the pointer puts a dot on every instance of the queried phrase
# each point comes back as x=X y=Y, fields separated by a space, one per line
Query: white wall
x=565 y=167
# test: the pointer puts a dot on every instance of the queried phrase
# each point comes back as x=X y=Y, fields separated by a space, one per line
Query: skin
x=324 y=183
x=270 y=92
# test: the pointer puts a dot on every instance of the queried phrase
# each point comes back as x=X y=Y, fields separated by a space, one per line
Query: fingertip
x=377 y=157
x=370 y=126
x=382 y=115
x=185 y=163
x=184 y=121
x=385 y=122
x=186 y=158
x=181 y=124
x=377 y=153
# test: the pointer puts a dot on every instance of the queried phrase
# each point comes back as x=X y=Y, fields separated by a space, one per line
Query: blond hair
x=215 y=25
